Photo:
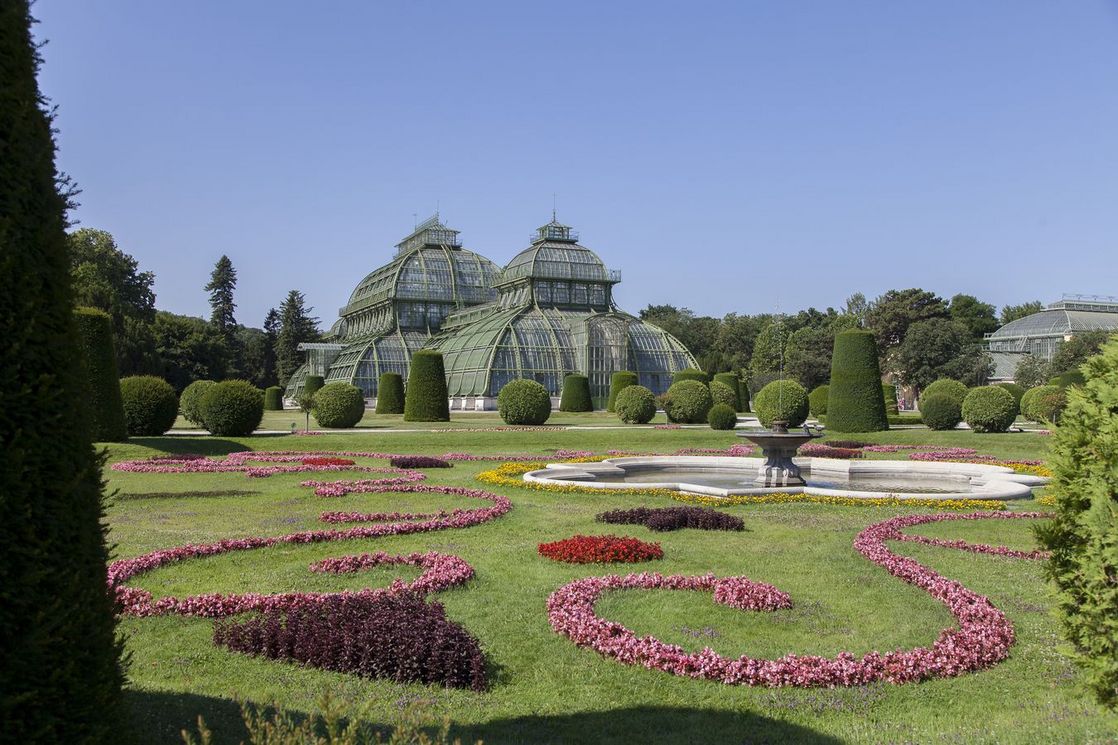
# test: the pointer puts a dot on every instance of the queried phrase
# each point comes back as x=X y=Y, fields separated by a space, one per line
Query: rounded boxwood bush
x=1026 y=404
x=690 y=373
x=390 y=393
x=889 y=395
x=636 y=405
x=524 y=402
x=688 y=402
x=273 y=398
x=1044 y=404
x=425 y=398
x=731 y=380
x=722 y=416
x=940 y=411
x=947 y=387
x=576 y=394
x=817 y=400
x=190 y=401
x=312 y=384
x=784 y=400
x=855 y=402
x=232 y=408
x=1017 y=391
x=618 y=382
x=150 y=405
x=99 y=375
x=989 y=408
x=338 y=405
x=721 y=393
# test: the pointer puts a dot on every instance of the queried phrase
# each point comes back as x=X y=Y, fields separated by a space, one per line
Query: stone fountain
x=779 y=446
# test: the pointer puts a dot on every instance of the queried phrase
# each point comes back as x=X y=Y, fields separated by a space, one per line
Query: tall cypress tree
x=60 y=659
x=223 y=280
x=268 y=375
x=297 y=325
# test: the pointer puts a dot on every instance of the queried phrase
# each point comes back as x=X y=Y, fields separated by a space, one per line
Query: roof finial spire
x=553 y=218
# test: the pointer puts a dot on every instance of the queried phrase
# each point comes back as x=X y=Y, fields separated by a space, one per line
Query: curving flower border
x=982 y=639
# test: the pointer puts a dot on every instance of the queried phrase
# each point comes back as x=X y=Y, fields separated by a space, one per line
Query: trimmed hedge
x=817 y=400
x=663 y=519
x=1017 y=391
x=99 y=374
x=338 y=405
x=989 y=408
x=947 y=387
x=232 y=408
x=524 y=402
x=784 y=400
x=576 y=394
x=722 y=416
x=1044 y=404
x=636 y=405
x=618 y=382
x=856 y=403
x=273 y=398
x=889 y=395
x=190 y=401
x=724 y=394
x=690 y=373
x=390 y=393
x=150 y=405
x=731 y=380
x=743 y=395
x=425 y=399
x=312 y=384
x=688 y=402
x=940 y=412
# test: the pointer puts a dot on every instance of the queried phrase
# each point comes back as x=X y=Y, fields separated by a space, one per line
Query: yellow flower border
x=511 y=474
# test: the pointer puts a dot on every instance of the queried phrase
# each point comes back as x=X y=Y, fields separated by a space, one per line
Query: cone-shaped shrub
x=855 y=402
x=732 y=381
x=60 y=669
x=313 y=383
x=1083 y=535
x=889 y=395
x=722 y=416
x=940 y=411
x=989 y=408
x=946 y=387
x=618 y=382
x=273 y=398
x=524 y=402
x=782 y=400
x=98 y=359
x=688 y=402
x=690 y=373
x=150 y=405
x=817 y=400
x=576 y=394
x=390 y=393
x=636 y=405
x=338 y=405
x=426 y=397
x=232 y=408
x=190 y=402
x=743 y=395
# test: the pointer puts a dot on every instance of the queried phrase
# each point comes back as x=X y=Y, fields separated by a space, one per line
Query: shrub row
x=663 y=519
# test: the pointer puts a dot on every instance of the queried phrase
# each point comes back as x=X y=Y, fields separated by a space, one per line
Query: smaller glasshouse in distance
x=547 y=314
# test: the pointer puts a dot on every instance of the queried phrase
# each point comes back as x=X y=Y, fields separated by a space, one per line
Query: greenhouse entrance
x=607 y=352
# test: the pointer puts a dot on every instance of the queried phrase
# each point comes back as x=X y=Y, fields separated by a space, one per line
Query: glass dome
x=1041 y=334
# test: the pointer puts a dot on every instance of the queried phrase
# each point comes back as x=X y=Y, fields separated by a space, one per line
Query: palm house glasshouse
x=1041 y=334
x=549 y=313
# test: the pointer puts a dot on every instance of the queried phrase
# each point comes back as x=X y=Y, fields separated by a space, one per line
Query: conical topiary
x=690 y=373
x=855 y=402
x=618 y=382
x=99 y=372
x=576 y=394
x=425 y=399
x=727 y=378
x=312 y=383
x=390 y=393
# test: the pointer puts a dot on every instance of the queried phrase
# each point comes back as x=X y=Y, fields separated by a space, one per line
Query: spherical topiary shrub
x=731 y=380
x=390 y=393
x=190 y=401
x=273 y=398
x=722 y=416
x=1026 y=404
x=690 y=373
x=99 y=374
x=313 y=383
x=688 y=402
x=636 y=405
x=782 y=400
x=889 y=395
x=618 y=382
x=150 y=405
x=855 y=402
x=940 y=411
x=1044 y=404
x=946 y=387
x=989 y=408
x=817 y=400
x=524 y=402
x=338 y=405
x=721 y=393
x=232 y=408
x=576 y=394
x=425 y=399
x=1017 y=391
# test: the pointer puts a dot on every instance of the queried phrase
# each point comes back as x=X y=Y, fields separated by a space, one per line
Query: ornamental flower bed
x=418 y=461
x=329 y=461
x=601 y=549
x=981 y=639
x=399 y=637
x=663 y=519
x=815 y=450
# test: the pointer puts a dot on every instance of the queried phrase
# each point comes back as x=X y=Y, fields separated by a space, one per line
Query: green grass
x=544 y=688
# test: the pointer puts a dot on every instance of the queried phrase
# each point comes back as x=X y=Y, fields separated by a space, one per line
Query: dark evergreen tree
x=268 y=362
x=297 y=326
x=60 y=659
x=223 y=280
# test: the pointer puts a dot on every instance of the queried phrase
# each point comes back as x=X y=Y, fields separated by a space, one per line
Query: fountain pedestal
x=779 y=446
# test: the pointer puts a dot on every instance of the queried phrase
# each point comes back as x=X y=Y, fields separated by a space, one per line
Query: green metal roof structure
x=1041 y=334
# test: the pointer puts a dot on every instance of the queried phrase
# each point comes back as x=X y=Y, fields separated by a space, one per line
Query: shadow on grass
x=203 y=445
x=160 y=717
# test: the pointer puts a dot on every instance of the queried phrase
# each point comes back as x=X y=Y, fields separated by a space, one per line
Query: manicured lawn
x=544 y=688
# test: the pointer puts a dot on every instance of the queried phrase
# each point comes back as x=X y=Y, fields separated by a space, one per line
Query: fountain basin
x=719 y=476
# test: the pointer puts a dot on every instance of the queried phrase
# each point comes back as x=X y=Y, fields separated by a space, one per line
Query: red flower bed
x=328 y=461
x=601 y=549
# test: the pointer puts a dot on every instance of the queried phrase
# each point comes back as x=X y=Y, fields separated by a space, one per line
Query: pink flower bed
x=978 y=548
x=440 y=571
x=902 y=448
x=981 y=639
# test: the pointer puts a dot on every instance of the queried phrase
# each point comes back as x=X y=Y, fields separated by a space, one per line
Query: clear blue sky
x=726 y=157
